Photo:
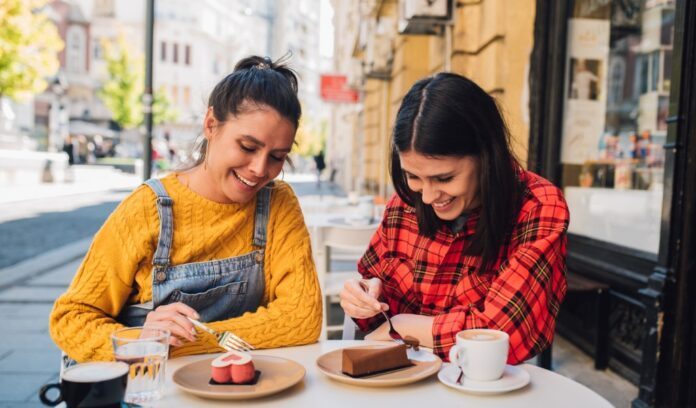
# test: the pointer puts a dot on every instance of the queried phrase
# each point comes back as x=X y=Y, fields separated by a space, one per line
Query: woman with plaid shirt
x=470 y=239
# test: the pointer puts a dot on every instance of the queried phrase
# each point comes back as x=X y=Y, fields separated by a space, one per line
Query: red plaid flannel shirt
x=520 y=294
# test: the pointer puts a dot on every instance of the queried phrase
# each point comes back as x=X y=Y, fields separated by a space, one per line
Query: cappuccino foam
x=95 y=372
x=480 y=335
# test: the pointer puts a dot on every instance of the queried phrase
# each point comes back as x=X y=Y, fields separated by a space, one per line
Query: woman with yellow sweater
x=220 y=242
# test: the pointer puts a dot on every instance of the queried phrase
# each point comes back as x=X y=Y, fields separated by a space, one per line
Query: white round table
x=546 y=389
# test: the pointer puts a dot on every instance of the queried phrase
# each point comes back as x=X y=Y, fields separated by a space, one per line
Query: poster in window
x=585 y=90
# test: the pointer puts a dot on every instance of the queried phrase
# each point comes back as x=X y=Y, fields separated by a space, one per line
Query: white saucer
x=513 y=378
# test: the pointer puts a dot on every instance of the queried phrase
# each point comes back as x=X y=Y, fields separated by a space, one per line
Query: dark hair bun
x=262 y=63
x=259 y=80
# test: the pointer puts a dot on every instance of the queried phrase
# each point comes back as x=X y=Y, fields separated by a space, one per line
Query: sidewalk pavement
x=86 y=179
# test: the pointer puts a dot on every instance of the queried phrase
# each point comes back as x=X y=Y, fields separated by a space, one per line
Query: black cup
x=90 y=385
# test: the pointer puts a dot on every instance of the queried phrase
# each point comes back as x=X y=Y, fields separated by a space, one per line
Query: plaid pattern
x=520 y=294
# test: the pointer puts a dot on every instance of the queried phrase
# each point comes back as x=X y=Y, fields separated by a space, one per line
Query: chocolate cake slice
x=359 y=362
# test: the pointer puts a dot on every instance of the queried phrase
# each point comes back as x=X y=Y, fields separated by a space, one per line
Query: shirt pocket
x=216 y=303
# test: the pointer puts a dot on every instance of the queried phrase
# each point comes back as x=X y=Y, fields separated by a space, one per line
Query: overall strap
x=263 y=207
x=164 y=209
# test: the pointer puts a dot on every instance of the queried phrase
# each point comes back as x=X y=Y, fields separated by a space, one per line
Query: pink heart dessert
x=233 y=367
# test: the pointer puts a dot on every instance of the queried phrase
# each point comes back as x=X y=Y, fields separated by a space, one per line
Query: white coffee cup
x=481 y=353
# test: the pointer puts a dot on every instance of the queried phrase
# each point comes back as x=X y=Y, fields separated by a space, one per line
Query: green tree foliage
x=162 y=110
x=123 y=90
x=29 y=46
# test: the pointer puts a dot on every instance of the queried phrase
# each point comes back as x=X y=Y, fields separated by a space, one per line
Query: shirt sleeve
x=293 y=310
x=524 y=298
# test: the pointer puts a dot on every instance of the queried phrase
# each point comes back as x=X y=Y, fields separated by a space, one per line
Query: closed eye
x=253 y=149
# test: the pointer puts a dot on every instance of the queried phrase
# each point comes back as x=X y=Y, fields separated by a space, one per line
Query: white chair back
x=345 y=243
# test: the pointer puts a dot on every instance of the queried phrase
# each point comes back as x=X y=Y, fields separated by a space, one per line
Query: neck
x=200 y=181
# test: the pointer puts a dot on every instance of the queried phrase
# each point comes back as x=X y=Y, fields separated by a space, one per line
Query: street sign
x=334 y=88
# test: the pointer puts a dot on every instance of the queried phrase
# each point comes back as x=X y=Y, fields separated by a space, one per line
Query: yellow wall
x=491 y=44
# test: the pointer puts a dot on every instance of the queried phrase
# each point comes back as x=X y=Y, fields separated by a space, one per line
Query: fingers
x=173 y=340
x=359 y=304
x=181 y=308
x=375 y=287
x=173 y=318
x=359 y=297
x=357 y=312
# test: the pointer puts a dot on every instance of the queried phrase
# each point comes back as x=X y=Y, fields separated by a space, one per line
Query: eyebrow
x=442 y=175
x=259 y=143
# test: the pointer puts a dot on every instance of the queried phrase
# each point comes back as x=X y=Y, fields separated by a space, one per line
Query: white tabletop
x=547 y=389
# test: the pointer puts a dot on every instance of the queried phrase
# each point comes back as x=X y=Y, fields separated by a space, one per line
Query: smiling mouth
x=243 y=180
x=443 y=203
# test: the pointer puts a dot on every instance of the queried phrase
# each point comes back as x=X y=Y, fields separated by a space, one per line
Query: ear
x=209 y=123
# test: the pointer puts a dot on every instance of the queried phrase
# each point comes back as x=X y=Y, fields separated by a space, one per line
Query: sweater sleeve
x=524 y=298
x=293 y=311
x=83 y=318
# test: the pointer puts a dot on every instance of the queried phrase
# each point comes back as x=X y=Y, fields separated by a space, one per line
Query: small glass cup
x=145 y=350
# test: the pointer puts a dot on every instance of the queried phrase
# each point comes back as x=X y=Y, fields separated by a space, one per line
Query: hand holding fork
x=392 y=332
x=227 y=340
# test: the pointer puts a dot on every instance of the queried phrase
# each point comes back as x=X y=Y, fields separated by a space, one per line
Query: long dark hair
x=254 y=81
x=449 y=115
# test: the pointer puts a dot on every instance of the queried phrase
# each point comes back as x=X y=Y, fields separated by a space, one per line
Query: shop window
x=619 y=60
x=75 y=58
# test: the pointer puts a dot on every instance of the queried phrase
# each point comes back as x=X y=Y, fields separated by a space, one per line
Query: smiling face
x=245 y=153
x=449 y=184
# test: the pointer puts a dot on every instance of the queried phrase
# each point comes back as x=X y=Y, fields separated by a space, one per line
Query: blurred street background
x=596 y=95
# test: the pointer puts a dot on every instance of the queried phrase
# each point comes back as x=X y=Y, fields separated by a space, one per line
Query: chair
x=339 y=243
x=600 y=290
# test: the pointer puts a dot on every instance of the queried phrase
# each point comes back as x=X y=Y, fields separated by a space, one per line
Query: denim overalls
x=217 y=290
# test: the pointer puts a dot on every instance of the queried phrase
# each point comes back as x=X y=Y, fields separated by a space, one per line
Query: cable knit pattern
x=117 y=271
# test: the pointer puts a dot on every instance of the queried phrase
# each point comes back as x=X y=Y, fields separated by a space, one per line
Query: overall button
x=259 y=258
x=161 y=276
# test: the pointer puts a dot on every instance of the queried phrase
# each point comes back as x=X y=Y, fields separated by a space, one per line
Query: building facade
x=486 y=41
x=195 y=45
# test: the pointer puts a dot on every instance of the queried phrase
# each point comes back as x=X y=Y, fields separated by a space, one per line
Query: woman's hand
x=359 y=304
x=172 y=317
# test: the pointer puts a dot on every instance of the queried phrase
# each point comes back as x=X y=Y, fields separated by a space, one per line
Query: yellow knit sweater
x=117 y=271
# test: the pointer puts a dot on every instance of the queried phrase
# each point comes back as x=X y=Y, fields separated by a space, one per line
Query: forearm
x=413 y=325
x=292 y=318
x=82 y=332
x=418 y=326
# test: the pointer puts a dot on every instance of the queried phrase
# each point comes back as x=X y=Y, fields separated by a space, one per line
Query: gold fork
x=227 y=340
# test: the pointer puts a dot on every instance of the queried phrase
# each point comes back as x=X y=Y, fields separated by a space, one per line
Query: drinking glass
x=145 y=351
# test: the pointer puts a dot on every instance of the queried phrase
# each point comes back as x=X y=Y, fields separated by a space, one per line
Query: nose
x=429 y=194
x=259 y=166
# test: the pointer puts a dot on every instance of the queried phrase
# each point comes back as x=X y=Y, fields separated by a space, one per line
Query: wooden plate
x=277 y=374
x=425 y=365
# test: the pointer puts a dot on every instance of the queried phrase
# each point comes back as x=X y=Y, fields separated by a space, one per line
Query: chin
x=451 y=213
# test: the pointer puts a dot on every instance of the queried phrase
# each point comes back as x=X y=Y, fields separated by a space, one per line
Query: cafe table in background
x=546 y=388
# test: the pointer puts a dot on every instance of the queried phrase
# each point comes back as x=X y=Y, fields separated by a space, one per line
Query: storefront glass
x=617 y=85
